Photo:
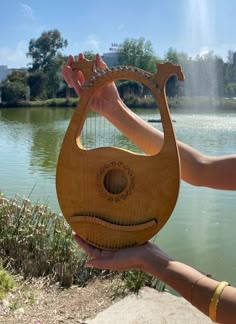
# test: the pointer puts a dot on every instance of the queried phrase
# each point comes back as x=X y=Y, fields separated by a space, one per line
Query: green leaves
x=7 y=282
x=36 y=242
x=47 y=59
x=45 y=50
x=139 y=53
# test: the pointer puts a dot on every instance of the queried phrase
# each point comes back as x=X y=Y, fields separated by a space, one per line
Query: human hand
x=106 y=99
x=147 y=257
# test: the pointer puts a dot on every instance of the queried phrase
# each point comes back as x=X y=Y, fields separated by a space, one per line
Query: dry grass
x=35 y=242
x=39 y=302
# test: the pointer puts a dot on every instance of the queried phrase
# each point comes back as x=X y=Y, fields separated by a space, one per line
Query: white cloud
x=14 y=57
x=26 y=10
x=93 y=42
x=29 y=22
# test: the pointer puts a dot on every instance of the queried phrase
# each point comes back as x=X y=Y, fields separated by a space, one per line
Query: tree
x=139 y=53
x=230 y=89
x=13 y=92
x=173 y=86
x=89 y=55
x=47 y=58
x=37 y=83
x=45 y=50
x=18 y=76
x=15 y=88
x=172 y=56
x=230 y=68
x=129 y=88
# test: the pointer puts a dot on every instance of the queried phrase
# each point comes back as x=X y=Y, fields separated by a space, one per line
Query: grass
x=36 y=242
x=200 y=103
x=54 y=102
x=7 y=282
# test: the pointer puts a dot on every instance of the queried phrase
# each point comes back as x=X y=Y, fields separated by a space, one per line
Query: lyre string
x=99 y=132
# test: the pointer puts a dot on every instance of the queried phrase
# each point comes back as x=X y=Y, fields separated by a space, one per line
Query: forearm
x=196 y=288
x=218 y=172
x=146 y=137
x=182 y=278
x=196 y=168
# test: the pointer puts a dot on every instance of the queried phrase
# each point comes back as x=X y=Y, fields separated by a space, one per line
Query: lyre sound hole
x=115 y=181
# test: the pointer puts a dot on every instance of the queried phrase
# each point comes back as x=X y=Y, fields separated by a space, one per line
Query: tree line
x=205 y=75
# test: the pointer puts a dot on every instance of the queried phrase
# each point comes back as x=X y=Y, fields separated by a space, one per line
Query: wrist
x=156 y=262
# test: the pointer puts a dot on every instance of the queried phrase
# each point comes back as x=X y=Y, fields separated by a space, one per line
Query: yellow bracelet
x=215 y=299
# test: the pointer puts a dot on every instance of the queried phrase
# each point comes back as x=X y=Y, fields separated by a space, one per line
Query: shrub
x=36 y=242
x=7 y=283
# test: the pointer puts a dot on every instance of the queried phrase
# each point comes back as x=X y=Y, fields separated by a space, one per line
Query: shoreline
x=180 y=103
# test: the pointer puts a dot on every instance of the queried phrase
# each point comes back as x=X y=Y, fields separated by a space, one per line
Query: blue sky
x=191 y=26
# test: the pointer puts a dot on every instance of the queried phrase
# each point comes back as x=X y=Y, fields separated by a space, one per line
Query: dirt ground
x=38 y=303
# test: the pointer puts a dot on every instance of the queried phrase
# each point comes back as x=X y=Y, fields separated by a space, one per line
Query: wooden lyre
x=142 y=204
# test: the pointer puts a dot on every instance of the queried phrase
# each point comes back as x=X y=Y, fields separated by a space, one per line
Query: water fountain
x=201 y=68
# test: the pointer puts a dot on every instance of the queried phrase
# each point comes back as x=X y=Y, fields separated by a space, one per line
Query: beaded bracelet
x=215 y=299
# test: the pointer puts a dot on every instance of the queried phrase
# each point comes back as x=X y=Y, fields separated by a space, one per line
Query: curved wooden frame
x=141 y=208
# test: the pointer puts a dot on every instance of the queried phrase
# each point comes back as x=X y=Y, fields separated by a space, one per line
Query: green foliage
x=47 y=58
x=18 y=76
x=57 y=102
x=172 y=56
x=230 y=89
x=14 y=89
x=37 y=83
x=44 y=50
x=135 y=280
x=89 y=55
x=139 y=53
x=13 y=92
x=7 y=282
x=229 y=70
x=205 y=75
x=36 y=242
x=173 y=85
x=129 y=88
x=137 y=102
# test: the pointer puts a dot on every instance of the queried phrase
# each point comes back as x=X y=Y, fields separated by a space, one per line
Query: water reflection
x=35 y=116
x=31 y=140
x=44 y=149
x=201 y=230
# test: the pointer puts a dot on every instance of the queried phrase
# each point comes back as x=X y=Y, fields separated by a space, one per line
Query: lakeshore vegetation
x=206 y=76
x=36 y=242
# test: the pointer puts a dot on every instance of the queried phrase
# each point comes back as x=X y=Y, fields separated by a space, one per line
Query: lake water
x=202 y=228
